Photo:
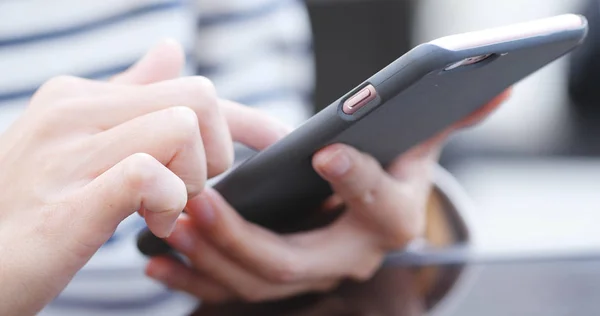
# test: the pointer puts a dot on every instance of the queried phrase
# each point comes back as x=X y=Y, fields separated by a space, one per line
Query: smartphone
x=417 y=96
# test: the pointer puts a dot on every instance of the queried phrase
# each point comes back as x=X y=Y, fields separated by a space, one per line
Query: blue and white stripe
x=248 y=48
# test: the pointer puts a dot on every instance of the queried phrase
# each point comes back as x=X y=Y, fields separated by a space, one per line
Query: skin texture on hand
x=85 y=155
x=232 y=259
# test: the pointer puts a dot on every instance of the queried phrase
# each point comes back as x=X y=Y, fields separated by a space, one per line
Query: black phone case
x=416 y=99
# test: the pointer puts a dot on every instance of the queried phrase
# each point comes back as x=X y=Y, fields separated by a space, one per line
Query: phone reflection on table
x=393 y=291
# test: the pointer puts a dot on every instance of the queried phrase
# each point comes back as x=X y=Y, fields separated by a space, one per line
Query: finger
x=261 y=251
x=430 y=150
x=165 y=61
x=139 y=180
x=252 y=127
x=177 y=276
x=172 y=136
x=480 y=114
x=209 y=260
x=382 y=215
x=312 y=258
x=265 y=254
x=342 y=250
x=352 y=174
x=248 y=126
x=374 y=200
x=196 y=93
x=333 y=203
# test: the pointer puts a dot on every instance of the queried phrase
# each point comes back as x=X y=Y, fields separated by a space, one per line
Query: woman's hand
x=234 y=259
x=86 y=154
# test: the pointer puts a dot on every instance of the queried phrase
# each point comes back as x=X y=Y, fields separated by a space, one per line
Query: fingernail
x=336 y=163
x=205 y=212
x=171 y=228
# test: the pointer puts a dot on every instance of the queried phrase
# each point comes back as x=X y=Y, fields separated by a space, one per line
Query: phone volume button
x=359 y=99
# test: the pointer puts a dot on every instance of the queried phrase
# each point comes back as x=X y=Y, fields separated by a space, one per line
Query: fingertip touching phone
x=430 y=88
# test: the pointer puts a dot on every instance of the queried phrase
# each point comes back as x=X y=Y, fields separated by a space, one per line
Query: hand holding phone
x=282 y=188
x=231 y=258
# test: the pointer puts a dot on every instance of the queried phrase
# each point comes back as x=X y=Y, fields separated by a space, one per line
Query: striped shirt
x=257 y=52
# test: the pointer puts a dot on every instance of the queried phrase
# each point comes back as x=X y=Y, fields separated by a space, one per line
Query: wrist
x=30 y=275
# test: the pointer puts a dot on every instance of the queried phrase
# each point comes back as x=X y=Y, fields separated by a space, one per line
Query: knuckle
x=196 y=92
x=367 y=269
x=199 y=91
x=186 y=122
x=61 y=82
x=205 y=95
x=203 y=85
x=200 y=94
x=57 y=86
x=138 y=170
x=55 y=118
x=229 y=239
x=286 y=271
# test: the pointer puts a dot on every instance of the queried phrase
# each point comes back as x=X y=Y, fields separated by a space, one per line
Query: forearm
x=29 y=278
x=39 y=256
x=18 y=298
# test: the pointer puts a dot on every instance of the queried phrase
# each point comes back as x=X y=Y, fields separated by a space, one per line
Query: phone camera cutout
x=468 y=61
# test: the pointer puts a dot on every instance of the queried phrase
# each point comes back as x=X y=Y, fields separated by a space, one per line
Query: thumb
x=480 y=114
x=432 y=147
x=163 y=62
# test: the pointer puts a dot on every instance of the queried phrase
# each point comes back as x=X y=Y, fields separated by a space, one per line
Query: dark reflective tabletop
x=393 y=291
x=563 y=285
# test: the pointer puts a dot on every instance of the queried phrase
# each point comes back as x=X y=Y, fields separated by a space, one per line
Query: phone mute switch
x=359 y=99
